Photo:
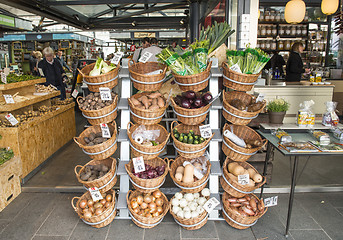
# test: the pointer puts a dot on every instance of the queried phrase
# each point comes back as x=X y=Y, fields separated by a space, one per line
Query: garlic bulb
x=193 y=206
x=175 y=202
x=183 y=203
x=178 y=195
x=189 y=197
x=201 y=201
x=176 y=209
x=196 y=195
x=206 y=192
x=187 y=214
x=180 y=214
x=195 y=214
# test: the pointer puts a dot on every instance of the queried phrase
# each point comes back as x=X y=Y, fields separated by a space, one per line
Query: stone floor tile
x=50 y=238
x=207 y=231
x=225 y=231
x=3 y=225
x=340 y=210
x=336 y=199
x=86 y=232
x=123 y=230
x=17 y=205
x=309 y=234
x=163 y=231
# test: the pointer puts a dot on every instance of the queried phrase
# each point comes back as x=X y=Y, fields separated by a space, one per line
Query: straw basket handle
x=75 y=169
x=167 y=163
x=209 y=65
x=165 y=69
x=170 y=161
x=77 y=142
x=131 y=62
x=72 y=203
x=129 y=126
x=77 y=100
x=225 y=64
x=81 y=72
x=173 y=124
x=127 y=196
x=265 y=141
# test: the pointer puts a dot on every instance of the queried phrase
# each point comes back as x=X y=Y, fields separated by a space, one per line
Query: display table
x=299 y=135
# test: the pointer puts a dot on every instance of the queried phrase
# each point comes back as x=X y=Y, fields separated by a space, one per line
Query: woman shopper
x=295 y=66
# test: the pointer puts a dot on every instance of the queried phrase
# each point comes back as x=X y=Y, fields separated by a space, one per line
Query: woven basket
x=104 y=183
x=146 y=116
x=192 y=223
x=238 y=81
x=99 y=151
x=235 y=152
x=190 y=116
x=230 y=183
x=195 y=82
x=234 y=218
x=96 y=221
x=234 y=115
x=148 y=152
x=148 y=185
x=144 y=82
x=109 y=79
x=193 y=187
x=103 y=115
x=189 y=150
x=145 y=222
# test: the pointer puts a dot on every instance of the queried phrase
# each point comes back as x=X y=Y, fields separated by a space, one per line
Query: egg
x=201 y=201
x=183 y=203
x=193 y=206
x=178 y=195
x=176 y=209
x=206 y=192
x=196 y=195
x=180 y=214
x=187 y=214
x=175 y=202
x=189 y=197
x=195 y=214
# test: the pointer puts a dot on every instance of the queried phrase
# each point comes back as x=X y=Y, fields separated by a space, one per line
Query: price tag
x=41 y=72
x=211 y=204
x=138 y=164
x=145 y=57
x=105 y=130
x=3 y=78
x=205 y=131
x=243 y=179
x=75 y=93
x=95 y=193
x=260 y=97
x=11 y=119
x=8 y=98
x=271 y=201
x=105 y=94
x=236 y=68
x=117 y=56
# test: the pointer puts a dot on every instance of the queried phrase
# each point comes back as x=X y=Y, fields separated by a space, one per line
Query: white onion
x=195 y=214
x=186 y=209
x=201 y=201
x=196 y=195
x=187 y=214
x=200 y=209
x=183 y=203
x=176 y=209
x=175 y=202
x=189 y=197
x=193 y=206
x=178 y=195
x=180 y=214
x=206 y=192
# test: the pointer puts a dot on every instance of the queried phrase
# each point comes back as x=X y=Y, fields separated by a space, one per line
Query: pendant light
x=329 y=6
x=295 y=11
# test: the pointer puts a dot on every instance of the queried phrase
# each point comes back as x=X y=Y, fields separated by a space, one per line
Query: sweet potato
x=160 y=102
x=145 y=101
x=154 y=95
x=135 y=101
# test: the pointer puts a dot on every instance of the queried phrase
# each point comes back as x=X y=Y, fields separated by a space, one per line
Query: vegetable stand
x=299 y=135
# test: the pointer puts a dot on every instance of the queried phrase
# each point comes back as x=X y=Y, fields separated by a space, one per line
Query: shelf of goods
x=129 y=149
x=38 y=118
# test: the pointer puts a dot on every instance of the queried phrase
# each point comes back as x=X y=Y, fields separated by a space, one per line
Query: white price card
x=11 y=119
x=75 y=93
x=236 y=68
x=260 y=97
x=145 y=57
x=95 y=193
x=117 y=56
x=3 y=78
x=271 y=201
x=211 y=204
x=105 y=93
x=138 y=164
x=205 y=131
x=8 y=98
x=243 y=179
x=105 y=130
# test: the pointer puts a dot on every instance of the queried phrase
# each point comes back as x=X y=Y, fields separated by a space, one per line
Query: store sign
x=205 y=131
x=211 y=204
x=8 y=98
x=133 y=48
x=95 y=193
x=105 y=94
x=138 y=164
x=105 y=130
x=11 y=119
x=243 y=179
x=144 y=34
x=271 y=201
x=6 y=20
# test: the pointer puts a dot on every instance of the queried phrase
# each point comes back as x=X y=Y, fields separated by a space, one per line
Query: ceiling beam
x=97 y=2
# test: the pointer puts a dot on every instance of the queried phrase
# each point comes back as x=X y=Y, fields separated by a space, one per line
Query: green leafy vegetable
x=101 y=67
x=5 y=155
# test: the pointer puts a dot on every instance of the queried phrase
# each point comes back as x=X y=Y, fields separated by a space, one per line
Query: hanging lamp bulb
x=295 y=11
x=329 y=6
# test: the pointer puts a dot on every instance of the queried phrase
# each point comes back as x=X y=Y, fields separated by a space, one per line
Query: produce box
x=9 y=181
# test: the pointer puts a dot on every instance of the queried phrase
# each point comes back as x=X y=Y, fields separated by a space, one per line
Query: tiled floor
x=49 y=216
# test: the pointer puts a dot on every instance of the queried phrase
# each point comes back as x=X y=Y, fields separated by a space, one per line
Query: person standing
x=33 y=63
x=295 y=66
x=138 y=52
x=59 y=57
x=52 y=70
x=154 y=49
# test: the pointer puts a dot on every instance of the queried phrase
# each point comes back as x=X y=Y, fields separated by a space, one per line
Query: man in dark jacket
x=53 y=71
x=295 y=66
x=59 y=57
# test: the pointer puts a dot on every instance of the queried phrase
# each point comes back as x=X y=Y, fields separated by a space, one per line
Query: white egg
x=186 y=209
x=196 y=195
x=183 y=203
x=206 y=192
x=189 y=197
x=178 y=195
x=195 y=214
x=193 y=206
x=200 y=209
x=175 y=202
x=187 y=214
x=201 y=201
x=176 y=209
x=180 y=214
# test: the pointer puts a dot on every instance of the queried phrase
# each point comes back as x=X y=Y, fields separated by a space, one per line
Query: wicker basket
x=189 y=150
x=230 y=183
x=96 y=221
x=99 y=151
x=237 y=220
x=104 y=115
x=109 y=80
x=145 y=222
x=234 y=115
x=144 y=82
x=192 y=223
x=148 y=152
x=148 y=185
x=235 y=152
x=193 y=187
x=190 y=116
x=104 y=183
x=238 y=81
x=195 y=82
x=146 y=116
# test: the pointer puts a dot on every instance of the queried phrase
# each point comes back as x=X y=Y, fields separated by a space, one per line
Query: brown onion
x=98 y=211
x=144 y=205
x=152 y=205
x=148 y=198
x=90 y=203
x=103 y=201
x=87 y=214
x=136 y=210
x=97 y=205
x=108 y=197
x=91 y=209
x=159 y=202
x=156 y=214
x=134 y=204
x=159 y=210
x=157 y=194
x=139 y=199
x=107 y=205
x=83 y=204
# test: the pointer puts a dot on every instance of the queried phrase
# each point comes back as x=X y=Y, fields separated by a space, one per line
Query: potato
x=160 y=102
x=91 y=136
x=239 y=104
x=154 y=107
x=145 y=101
x=154 y=95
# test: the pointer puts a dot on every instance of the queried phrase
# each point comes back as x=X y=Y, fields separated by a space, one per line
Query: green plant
x=278 y=105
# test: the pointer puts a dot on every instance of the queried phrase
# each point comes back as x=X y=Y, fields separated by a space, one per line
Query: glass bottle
x=267 y=16
x=272 y=15
x=263 y=30
x=281 y=30
x=274 y=31
x=277 y=16
x=269 y=31
x=288 y=30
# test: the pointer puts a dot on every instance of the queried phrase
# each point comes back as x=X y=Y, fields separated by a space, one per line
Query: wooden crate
x=37 y=140
x=9 y=181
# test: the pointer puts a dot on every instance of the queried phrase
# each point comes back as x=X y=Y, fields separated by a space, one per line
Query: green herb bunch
x=278 y=105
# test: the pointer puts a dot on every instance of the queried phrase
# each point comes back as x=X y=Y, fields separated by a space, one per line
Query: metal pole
x=194 y=20
x=328 y=40
x=269 y=149
x=291 y=195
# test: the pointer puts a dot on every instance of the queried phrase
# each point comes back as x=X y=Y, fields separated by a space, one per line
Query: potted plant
x=277 y=110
